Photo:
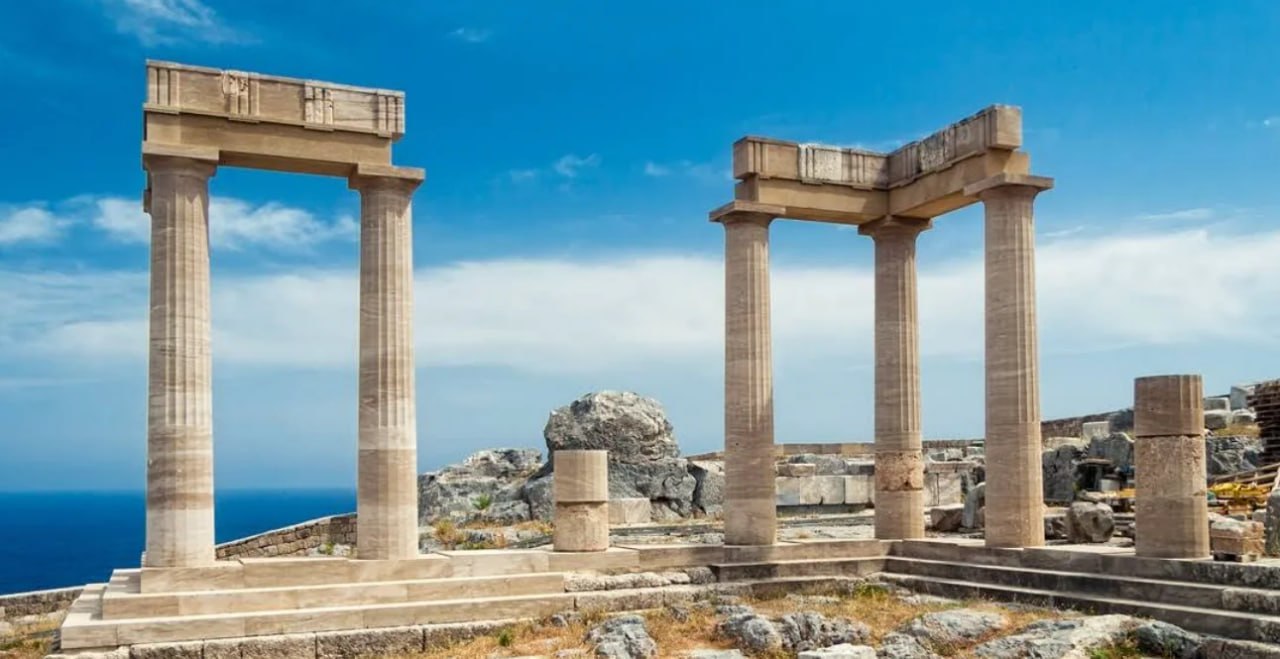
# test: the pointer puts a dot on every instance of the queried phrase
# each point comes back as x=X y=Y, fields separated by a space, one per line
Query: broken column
x=898 y=442
x=582 y=500
x=1170 y=505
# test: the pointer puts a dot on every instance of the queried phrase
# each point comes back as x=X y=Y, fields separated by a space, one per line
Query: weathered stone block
x=192 y=650
x=1091 y=430
x=391 y=641
x=860 y=490
x=797 y=470
x=632 y=510
x=1217 y=403
x=811 y=491
x=284 y=646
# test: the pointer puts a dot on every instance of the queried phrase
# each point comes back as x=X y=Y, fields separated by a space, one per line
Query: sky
x=561 y=242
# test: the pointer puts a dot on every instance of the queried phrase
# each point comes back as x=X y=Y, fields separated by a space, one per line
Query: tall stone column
x=1171 y=509
x=898 y=443
x=387 y=483
x=750 y=512
x=1015 y=491
x=180 y=370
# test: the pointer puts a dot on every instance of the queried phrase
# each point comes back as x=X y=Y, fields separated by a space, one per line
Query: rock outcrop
x=487 y=485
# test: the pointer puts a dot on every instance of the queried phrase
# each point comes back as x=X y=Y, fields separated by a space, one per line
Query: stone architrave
x=1171 y=509
x=750 y=510
x=1015 y=504
x=581 y=501
x=387 y=483
x=899 y=474
x=179 y=529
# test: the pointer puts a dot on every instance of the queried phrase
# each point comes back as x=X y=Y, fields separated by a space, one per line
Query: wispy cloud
x=1063 y=233
x=570 y=165
x=557 y=316
x=166 y=22
x=1185 y=214
x=701 y=171
x=472 y=34
x=233 y=224
x=522 y=175
x=32 y=224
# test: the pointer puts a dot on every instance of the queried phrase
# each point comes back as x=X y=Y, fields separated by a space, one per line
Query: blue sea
x=55 y=539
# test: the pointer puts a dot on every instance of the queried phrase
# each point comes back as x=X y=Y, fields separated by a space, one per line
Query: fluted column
x=386 y=493
x=750 y=512
x=179 y=384
x=898 y=442
x=1171 y=507
x=1015 y=493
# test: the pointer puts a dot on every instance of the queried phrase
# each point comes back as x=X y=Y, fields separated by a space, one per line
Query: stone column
x=1171 y=511
x=387 y=482
x=899 y=495
x=750 y=512
x=1014 y=488
x=581 y=501
x=180 y=372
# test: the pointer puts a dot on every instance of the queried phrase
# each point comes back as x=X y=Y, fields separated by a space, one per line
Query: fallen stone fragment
x=842 y=651
x=623 y=637
x=944 y=629
x=1166 y=640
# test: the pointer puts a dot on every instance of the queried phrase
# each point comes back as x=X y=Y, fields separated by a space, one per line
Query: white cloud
x=701 y=171
x=30 y=224
x=654 y=169
x=1188 y=214
x=233 y=224
x=163 y=22
x=557 y=316
x=471 y=34
x=570 y=165
x=522 y=175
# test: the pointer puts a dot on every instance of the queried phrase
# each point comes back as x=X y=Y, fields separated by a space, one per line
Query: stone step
x=86 y=629
x=805 y=549
x=1097 y=560
x=1230 y=624
x=122 y=599
x=1213 y=596
x=798 y=568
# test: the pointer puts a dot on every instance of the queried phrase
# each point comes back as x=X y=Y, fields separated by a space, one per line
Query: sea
x=56 y=539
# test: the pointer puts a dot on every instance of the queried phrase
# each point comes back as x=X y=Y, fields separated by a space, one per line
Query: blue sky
x=573 y=150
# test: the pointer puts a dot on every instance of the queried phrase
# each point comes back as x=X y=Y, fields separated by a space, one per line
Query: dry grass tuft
x=28 y=641
x=1239 y=430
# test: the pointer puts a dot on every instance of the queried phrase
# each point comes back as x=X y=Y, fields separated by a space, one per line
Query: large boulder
x=1058 y=466
x=750 y=631
x=631 y=427
x=1090 y=522
x=1228 y=455
x=666 y=483
x=708 y=489
x=1116 y=447
x=486 y=485
x=808 y=630
x=1165 y=640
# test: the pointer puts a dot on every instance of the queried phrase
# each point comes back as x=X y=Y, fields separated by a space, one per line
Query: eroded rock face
x=1165 y=640
x=750 y=631
x=1228 y=455
x=667 y=484
x=631 y=427
x=486 y=485
x=1116 y=447
x=1058 y=466
x=623 y=637
x=809 y=630
x=1052 y=639
x=708 y=491
x=949 y=628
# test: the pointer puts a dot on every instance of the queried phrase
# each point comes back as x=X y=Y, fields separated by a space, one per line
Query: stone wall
x=39 y=602
x=295 y=540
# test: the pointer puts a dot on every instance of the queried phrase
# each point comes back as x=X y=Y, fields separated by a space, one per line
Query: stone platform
x=262 y=597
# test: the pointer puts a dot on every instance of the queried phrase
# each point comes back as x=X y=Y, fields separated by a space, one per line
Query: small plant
x=870 y=590
x=483 y=502
x=447 y=533
x=505 y=638
x=1126 y=648
x=327 y=549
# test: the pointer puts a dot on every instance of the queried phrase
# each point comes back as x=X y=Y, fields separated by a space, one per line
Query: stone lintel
x=1040 y=183
x=943 y=191
x=837 y=204
x=251 y=97
x=152 y=149
x=737 y=210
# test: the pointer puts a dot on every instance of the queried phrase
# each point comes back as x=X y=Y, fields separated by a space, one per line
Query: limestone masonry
x=633 y=525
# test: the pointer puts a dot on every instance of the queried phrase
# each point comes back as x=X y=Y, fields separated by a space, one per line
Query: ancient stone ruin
x=389 y=597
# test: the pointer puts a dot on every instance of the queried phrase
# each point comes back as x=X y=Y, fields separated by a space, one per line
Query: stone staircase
x=1233 y=600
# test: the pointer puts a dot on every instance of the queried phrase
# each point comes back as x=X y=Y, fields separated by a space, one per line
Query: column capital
x=891 y=226
x=747 y=211
x=1006 y=183
x=366 y=176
